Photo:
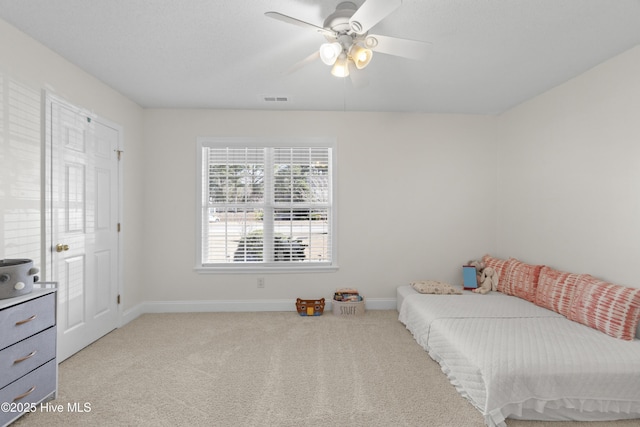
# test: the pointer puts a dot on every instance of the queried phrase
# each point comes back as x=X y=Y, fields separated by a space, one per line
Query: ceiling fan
x=349 y=45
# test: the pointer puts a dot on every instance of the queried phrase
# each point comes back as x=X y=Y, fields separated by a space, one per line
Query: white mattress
x=511 y=358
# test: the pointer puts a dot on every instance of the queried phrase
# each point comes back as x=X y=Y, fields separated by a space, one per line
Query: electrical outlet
x=260 y=282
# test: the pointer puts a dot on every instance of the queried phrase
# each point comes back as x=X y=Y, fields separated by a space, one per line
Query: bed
x=514 y=359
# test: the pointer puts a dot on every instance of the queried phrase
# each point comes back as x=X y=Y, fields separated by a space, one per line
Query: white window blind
x=266 y=204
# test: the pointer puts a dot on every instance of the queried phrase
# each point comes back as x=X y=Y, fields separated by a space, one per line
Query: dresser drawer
x=32 y=388
x=25 y=356
x=23 y=320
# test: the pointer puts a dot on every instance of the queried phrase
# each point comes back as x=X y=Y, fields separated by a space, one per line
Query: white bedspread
x=511 y=358
x=420 y=310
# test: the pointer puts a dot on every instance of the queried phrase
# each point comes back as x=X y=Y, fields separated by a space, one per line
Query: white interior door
x=82 y=242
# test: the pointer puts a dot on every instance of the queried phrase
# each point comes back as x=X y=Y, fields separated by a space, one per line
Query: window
x=266 y=205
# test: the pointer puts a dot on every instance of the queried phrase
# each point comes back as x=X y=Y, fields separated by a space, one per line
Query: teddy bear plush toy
x=488 y=281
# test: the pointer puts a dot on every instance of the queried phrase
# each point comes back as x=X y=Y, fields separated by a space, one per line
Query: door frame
x=46 y=198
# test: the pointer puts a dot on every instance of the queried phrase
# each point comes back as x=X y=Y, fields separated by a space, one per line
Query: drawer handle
x=25 y=394
x=22 y=322
x=28 y=356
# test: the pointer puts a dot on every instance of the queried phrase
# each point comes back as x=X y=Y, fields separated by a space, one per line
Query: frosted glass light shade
x=360 y=56
x=341 y=66
x=329 y=52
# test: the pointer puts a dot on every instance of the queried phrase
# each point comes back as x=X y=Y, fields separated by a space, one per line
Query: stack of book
x=347 y=295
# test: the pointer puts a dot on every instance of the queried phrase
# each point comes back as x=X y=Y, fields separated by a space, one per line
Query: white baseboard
x=234 y=306
x=130 y=314
x=217 y=306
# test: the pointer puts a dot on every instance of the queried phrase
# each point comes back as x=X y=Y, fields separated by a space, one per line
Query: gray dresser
x=28 y=366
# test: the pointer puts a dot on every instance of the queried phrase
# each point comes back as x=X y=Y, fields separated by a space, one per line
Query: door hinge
x=118 y=298
x=119 y=227
x=119 y=152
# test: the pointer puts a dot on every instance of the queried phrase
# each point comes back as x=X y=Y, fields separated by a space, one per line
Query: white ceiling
x=486 y=55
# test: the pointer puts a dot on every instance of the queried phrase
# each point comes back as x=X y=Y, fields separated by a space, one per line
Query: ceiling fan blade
x=290 y=20
x=411 y=49
x=306 y=61
x=370 y=13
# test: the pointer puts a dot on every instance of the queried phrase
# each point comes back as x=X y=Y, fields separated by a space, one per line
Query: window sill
x=266 y=270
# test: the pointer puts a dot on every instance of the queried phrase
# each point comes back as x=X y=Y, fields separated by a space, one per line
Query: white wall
x=569 y=175
x=415 y=200
x=553 y=181
x=26 y=69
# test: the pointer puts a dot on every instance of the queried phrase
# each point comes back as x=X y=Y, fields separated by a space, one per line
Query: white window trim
x=274 y=267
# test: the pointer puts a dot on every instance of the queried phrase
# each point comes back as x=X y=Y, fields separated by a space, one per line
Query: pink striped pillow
x=497 y=264
x=609 y=308
x=520 y=279
x=556 y=289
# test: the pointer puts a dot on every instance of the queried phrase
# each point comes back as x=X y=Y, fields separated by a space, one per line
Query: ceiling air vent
x=275 y=98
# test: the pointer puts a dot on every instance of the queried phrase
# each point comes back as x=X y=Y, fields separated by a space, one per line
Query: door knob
x=60 y=247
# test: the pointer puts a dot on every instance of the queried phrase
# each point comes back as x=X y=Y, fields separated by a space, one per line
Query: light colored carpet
x=261 y=369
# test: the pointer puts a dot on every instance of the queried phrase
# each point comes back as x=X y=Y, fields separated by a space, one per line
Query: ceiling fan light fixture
x=360 y=56
x=329 y=52
x=341 y=66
